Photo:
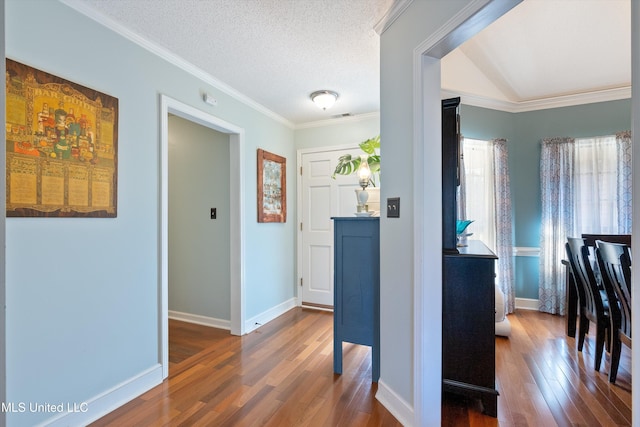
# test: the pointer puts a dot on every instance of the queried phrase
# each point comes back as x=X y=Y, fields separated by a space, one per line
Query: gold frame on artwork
x=272 y=187
x=62 y=147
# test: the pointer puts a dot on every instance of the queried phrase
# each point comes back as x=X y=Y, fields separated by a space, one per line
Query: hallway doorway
x=199 y=232
x=235 y=135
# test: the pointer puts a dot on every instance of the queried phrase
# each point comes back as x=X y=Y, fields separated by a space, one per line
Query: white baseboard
x=200 y=320
x=84 y=413
x=255 y=322
x=399 y=408
x=527 y=304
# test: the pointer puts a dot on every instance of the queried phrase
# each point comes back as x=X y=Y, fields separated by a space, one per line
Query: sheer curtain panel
x=557 y=188
x=596 y=185
x=503 y=223
x=485 y=191
x=623 y=146
x=586 y=188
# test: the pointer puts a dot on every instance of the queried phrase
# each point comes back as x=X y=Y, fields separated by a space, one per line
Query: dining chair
x=593 y=304
x=615 y=264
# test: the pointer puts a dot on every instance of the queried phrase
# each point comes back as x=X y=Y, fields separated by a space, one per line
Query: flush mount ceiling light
x=324 y=98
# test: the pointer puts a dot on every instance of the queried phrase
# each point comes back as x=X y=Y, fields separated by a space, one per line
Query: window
x=596 y=185
x=586 y=188
x=479 y=198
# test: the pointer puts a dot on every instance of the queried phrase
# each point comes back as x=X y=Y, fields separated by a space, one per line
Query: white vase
x=373 y=202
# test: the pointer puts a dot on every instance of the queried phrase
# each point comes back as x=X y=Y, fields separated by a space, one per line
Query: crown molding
x=172 y=58
x=541 y=104
x=339 y=120
x=473 y=17
x=397 y=9
x=389 y=18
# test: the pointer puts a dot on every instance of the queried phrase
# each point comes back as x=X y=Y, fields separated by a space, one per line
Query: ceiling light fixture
x=324 y=98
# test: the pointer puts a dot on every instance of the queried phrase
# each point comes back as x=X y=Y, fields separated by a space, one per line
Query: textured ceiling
x=276 y=52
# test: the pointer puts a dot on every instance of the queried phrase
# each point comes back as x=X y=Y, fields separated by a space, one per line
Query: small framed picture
x=272 y=187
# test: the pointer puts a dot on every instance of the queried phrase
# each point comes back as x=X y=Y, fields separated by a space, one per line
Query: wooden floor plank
x=544 y=381
x=282 y=375
x=279 y=375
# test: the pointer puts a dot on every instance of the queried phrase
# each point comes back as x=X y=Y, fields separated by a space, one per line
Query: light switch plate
x=213 y=213
x=393 y=207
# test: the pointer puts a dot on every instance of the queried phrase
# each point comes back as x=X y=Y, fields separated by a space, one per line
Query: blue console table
x=356 y=296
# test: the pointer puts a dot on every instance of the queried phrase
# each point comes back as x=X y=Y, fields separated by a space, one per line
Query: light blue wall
x=82 y=294
x=199 y=258
x=595 y=119
x=3 y=324
x=397 y=96
x=347 y=131
x=524 y=132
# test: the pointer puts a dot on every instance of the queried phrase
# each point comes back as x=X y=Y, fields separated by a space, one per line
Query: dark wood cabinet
x=450 y=172
x=468 y=288
x=468 y=324
x=356 y=294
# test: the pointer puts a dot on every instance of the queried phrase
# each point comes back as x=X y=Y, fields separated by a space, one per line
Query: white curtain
x=586 y=188
x=461 y=197
x=486 y=199
x=478 y=189
x=557 y=188
x=596 y=184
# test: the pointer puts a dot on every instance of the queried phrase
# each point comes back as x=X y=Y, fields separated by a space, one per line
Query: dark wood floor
x=282 y=375
x=279 y=375
x=544 y=381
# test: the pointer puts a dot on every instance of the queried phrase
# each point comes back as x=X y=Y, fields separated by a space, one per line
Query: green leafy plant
x=348 y=164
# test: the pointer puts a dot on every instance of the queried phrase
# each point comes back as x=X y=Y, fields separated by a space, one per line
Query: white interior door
x=322 y=198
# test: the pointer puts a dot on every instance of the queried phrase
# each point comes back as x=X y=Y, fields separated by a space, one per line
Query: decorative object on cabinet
x=364 y=176
x=462 y=224
x=272 y=187
x=461 y=236
x=62 y=146
x=349 y=164
x=356 y=297
x=468 y=289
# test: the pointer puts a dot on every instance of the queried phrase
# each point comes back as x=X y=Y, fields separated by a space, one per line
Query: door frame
x=299 y=154
x=427 y=252
x=236 y=206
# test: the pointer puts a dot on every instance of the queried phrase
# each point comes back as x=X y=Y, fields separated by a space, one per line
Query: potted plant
x=348 y=164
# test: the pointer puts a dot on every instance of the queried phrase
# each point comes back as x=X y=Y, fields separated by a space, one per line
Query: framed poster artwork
x=62 y=147
x=272 y=187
